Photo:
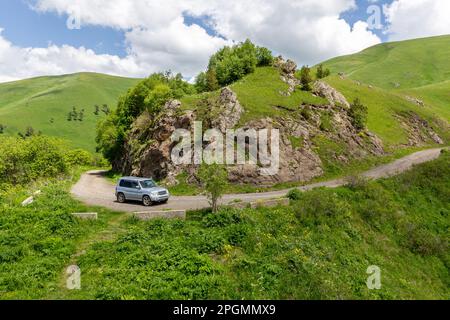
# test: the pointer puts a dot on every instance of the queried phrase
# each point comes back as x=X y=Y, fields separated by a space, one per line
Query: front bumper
x=159 y=198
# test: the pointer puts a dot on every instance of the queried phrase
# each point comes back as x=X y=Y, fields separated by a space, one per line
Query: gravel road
x=93 y=189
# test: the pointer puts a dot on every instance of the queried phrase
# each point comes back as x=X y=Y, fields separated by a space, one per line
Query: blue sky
x=37 y=29
x=135 y=38
x=25 y=27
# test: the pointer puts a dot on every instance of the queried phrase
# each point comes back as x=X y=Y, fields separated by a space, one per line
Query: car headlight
x=154 y=193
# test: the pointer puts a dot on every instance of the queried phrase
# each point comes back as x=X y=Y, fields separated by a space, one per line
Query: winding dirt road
x=93 y=189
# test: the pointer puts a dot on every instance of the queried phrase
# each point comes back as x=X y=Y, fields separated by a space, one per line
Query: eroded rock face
x=324 y=90
x=416 y=101
x=229 y=111
x=149 y=146
x=287 y=74
x=419 y=130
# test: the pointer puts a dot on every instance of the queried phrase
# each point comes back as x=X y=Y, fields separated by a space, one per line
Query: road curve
x=93 y=189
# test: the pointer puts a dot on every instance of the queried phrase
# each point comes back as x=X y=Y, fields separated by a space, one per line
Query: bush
x=320 y=205
x=231 y=64
x=294 y=194
x=214 y=180
x=321 y=72
x=79 y=157
x=264 y=57
x=305 y=78
x=24 y=160
x=358 y=113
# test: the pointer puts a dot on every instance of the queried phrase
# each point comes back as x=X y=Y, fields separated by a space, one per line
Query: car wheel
x=121 y=198
x=147 y=201
x=165 y=201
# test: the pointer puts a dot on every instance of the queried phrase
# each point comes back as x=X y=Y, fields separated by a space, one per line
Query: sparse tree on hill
x=2 y=128
x=105 y=109
x=358 y=113
x=214 y=179
x=211 y=80
x=305 y=78
x=81 y=115
x=97 y=110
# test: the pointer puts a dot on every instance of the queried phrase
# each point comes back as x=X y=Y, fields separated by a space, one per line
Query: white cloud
x=417 y=18
x=308 y=31
x=18 y=63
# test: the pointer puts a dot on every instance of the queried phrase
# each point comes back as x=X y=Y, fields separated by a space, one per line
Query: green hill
x=398 y=65
x=45 y=102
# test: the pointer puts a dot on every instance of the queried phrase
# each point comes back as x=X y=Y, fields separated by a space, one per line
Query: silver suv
x=140 y=189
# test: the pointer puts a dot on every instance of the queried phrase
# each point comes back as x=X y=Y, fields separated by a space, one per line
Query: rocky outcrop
x=416 y=101
x=324 y=90
x=148 y=146
x=227 y=111
x=287 y=74
x=419 y=131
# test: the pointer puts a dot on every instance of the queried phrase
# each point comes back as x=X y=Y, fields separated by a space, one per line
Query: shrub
x=214 y=180
x=294 y=194
x=24 y=160
x=305 y=78
x=358 y=114
x=423 y=242
x=317 y=205
x=230 y=64
x=321 y=72
x=79 y=157
x=264 y=56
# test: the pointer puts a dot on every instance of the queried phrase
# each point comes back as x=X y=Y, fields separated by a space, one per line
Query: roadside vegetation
x=317 y=248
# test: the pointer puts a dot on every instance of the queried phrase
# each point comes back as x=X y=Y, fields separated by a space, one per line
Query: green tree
x=97 y=110
x=201 y=84
x=264 y=56
x=321 y=72
x=211 y=80
x=305 y=78
x=358 y=113
x=214 y=179
x=2 y=128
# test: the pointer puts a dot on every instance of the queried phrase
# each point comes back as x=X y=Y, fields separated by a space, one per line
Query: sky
x=135 y=38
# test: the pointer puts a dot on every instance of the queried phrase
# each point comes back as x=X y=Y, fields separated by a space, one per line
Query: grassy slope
x=259 y=94
x=420 y=67
x=34 y=102
x=317 y=248
x=412 y=63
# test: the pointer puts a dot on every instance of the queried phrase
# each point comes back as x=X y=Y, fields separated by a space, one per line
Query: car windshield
x=147 y=184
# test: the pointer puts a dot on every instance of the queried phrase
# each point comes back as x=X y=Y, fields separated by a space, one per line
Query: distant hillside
x=44 y=103
x=417 y=68
x=398 y=65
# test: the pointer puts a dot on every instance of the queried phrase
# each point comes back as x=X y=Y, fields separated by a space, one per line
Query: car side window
x=134 y=184
x=125 y=184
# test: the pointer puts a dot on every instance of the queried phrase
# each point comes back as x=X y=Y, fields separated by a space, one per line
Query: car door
x=135 y=191
x=125 y=188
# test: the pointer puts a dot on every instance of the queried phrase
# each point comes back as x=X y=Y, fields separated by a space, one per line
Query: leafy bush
x=24 y=160
x=358 y=113
x=318 y=205
x=264 y=56
x=79 y=157
x=321 y=72
x=214 y=179
x=230 y=64
x=305 y=78
x=294 y=194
